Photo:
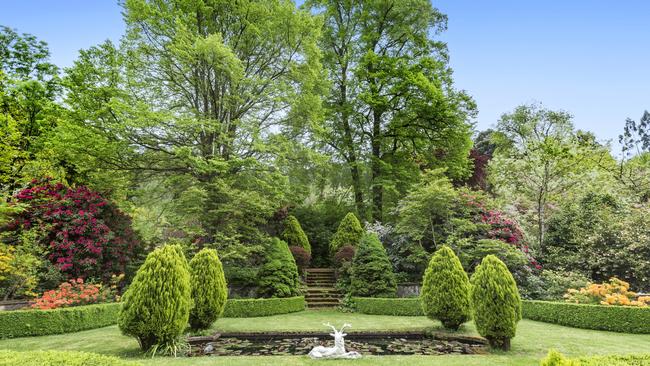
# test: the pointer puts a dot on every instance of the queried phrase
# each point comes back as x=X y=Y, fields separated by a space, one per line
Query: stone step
x=322 y=296
x=319 y=269
x=322 y=290
x=322 y=305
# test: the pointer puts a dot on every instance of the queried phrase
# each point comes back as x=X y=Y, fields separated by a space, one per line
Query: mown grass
x=531 y=344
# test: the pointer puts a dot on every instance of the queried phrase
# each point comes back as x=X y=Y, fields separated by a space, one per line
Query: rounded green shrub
x=496 y=302
x=372 y=274
x=445 y=290
x=294 y=235
x=348 y=233
x=279 y=277
x=209 y=290
x=156 y=307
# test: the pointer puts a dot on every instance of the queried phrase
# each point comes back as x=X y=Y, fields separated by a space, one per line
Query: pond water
x=364 y=344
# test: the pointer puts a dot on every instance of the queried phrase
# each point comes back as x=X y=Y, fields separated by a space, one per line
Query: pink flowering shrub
x=83 y=234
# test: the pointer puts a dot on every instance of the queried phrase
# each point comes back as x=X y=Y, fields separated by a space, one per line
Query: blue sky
x=589 y=57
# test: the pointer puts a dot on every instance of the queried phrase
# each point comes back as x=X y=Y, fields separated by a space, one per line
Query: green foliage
x=392 y=101
x=29 y=86
x=214 y=164
x=555 y=358
x=320 y=219
x=445 y=293
x=294 y=235
x=156 y=306
x=472 y=252
x=248 y=308
x=279 y=276
x=209 y=289
x=601 y=236
x=348 y=233
x=387 y=306
x=372 y=273
x=541 y=160
x=429 y=203
x=60 y=358
x=496 y=302
x=624 y=319
x=554 y=284
x=23 y=323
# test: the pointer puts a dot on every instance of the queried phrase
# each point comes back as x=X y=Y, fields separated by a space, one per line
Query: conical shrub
x=156 y=307
x=445 y=294
x=349 y=232
x=279 y=277
x=372 y=273
x=496 y=302
x=294 y=235
x=209 y=290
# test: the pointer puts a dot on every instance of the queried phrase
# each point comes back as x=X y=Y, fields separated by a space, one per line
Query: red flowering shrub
x=73 y=293
x=301 y=256
x=84 y=235
x=499 y=227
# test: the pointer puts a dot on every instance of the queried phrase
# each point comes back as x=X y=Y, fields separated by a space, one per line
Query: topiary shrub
x=496 y=302
x=294 y=235
x=445 y=290
x=156 y=306
x=279 y=277
x=348 y=233
x=301 y=256
x=209 y=290
x=372 y=274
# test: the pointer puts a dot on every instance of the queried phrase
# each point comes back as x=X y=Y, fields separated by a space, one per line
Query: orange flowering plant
x=612 y=292
x=76 y=292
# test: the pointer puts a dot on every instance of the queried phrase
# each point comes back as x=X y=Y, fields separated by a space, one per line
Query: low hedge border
x=409 y=306
x=60 y=358
x=625 y=319
x=22 y=323
x=555 y=358
x=246 y=308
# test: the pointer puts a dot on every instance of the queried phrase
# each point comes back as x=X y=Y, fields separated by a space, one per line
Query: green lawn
x=531 y=344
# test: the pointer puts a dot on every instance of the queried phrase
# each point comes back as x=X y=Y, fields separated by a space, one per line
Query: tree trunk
x=377 y=187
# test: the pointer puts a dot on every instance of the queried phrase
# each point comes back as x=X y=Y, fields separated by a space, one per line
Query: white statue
x=338 y=351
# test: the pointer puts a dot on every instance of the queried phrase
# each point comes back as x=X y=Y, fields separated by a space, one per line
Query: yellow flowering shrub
x=612 y=292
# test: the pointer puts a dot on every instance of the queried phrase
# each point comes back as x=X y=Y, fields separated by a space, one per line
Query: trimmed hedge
x=555 y=358
x=22 y=323
x=387 y=306
x=59 y=358
x=245 y=308
x=623 y=319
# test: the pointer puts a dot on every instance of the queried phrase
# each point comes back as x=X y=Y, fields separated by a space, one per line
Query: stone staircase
x=321 y=290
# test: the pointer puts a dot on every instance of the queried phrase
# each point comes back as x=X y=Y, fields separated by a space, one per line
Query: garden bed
x=366 y=343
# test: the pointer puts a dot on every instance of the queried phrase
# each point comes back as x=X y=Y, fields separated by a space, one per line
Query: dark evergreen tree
x=372 y=273
x=279 y=275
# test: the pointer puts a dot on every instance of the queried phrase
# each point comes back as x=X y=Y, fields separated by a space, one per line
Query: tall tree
x=539 y=159
x=392 y=109
x=29 y=84
x=192 y=98
x=632 y=170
